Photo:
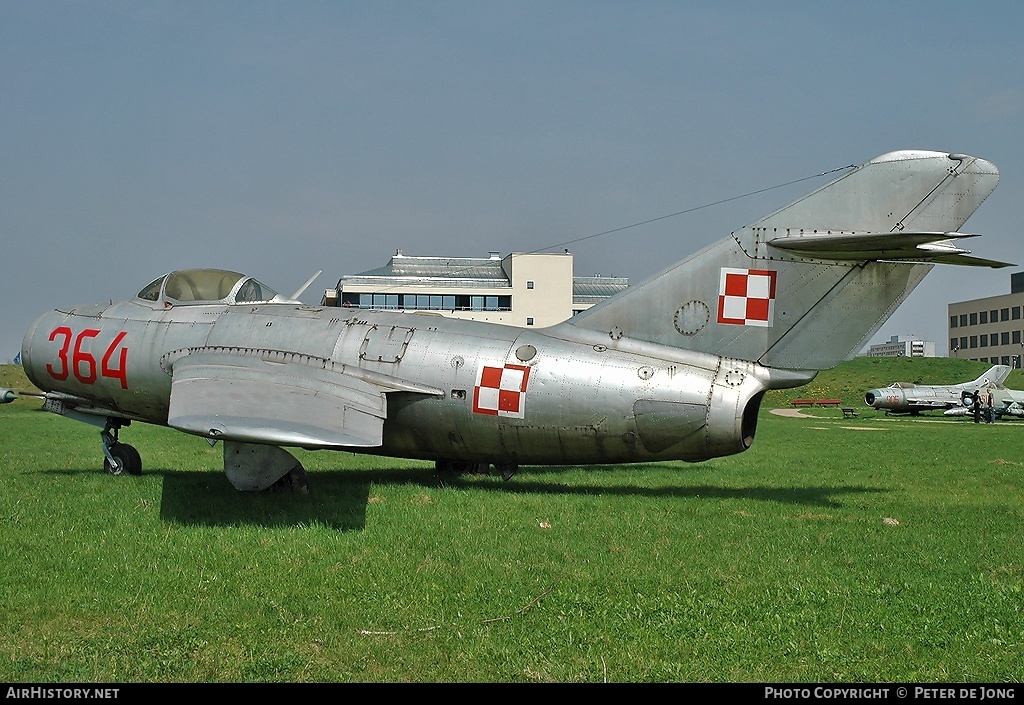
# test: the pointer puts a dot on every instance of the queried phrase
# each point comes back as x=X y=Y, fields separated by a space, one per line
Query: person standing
x=976 y=404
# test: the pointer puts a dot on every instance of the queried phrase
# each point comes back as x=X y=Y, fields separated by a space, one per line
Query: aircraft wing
x=934 y=403
x=253 y=400
x=900 y=246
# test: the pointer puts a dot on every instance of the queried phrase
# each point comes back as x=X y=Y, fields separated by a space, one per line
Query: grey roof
x=591 y=290
x=469 y=272
x=454 y=271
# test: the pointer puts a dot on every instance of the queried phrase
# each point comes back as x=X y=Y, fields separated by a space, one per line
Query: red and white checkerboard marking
x=501 y=391
x=746 y=297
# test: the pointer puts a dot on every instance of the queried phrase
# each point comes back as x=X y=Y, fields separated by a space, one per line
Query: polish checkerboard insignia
x=501 y=391
x=746 y=297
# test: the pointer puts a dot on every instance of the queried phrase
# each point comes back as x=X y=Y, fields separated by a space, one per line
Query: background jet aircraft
x=673 y=368
x=906 y=398
x=1005 y=402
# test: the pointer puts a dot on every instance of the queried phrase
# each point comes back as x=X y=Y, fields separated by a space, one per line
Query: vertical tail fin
x=994 y=377
x=807 y=286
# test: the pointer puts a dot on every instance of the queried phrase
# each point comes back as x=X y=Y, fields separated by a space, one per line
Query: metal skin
x=673 y=368
x=905 y=398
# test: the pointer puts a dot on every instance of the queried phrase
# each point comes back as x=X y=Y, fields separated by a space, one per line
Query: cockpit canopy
x=207 y=286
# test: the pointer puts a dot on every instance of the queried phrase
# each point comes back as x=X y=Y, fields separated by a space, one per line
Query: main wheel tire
x=134 y=460
x=127 y=460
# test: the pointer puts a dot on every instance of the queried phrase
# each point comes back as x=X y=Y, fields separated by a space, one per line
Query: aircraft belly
x=448 y=355
x=637 y=409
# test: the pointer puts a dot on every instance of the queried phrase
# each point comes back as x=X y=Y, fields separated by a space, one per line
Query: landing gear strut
x=119 y=458
x=507 y=470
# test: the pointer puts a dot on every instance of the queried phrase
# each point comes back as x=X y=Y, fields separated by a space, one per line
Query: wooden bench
x=803 y=402
x=829 y=402
x=849 y=413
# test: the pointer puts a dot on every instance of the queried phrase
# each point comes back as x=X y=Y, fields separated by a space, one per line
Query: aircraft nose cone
x=29 y=363
x=871 y=397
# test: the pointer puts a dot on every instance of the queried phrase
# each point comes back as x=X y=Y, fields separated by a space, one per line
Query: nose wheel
x=119 y=458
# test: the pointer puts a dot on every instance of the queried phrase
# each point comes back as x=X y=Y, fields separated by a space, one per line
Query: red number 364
x=83 y=364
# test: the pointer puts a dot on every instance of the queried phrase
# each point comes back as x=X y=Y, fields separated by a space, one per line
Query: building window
x=963 y=320
x=1015 y=337
x=490 y=303
x=952 y=321
x=963 y=343
x=529 y=321
x=529 y=285
x=1006 y=360
x=974 y=319
x=974 y=341
x=984 y=341
x=983 y=318
x=1004 y=314
x=382 y=300
x=1015 y=313
x=1004 y=338
x=952 y=344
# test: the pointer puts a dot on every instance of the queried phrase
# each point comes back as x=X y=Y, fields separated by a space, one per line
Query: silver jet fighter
x=906 y=398
x=1005 y=402
x=673 y=368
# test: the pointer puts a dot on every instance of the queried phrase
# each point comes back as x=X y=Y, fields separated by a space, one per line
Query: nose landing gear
x=119 y=458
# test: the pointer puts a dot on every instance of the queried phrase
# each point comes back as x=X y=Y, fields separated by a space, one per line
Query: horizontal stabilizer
x=891 y=246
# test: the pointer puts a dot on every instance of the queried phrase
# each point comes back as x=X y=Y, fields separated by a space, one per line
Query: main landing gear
x=119 y=458
x=507 y=470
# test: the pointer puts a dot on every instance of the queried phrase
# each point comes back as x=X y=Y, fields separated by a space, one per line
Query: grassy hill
x=849 y=380
x=13 y=377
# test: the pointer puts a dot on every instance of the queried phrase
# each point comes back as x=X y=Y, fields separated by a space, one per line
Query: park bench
x=803 y=402
x=829 y=402
x=849 y=413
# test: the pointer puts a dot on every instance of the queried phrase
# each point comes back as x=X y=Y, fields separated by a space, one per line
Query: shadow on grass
x=338 y=498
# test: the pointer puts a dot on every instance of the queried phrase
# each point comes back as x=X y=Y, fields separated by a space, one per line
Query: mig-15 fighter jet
x=672 y=368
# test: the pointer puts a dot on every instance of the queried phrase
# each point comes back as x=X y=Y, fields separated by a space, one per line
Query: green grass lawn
x=878 y=549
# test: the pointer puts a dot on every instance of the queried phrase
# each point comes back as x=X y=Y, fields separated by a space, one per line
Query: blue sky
x=279 y=138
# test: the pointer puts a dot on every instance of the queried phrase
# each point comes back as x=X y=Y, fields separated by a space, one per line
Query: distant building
x=520 y=289
x=989 y=329
x=909 y=347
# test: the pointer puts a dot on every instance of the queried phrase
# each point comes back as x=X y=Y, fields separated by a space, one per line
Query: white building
x=520 y=289
x=910 y=346
x=989 y=329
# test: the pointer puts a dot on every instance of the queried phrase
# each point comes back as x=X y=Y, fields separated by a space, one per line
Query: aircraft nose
x=29 y=363
x=871 y=397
